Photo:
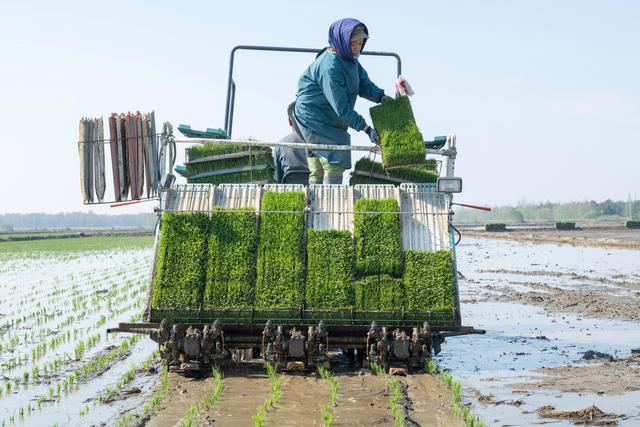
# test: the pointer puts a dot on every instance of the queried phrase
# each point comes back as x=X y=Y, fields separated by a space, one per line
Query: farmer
x=291 y=163
x=327 y=93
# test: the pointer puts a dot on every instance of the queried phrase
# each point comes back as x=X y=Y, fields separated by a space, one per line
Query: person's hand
x=385 y=98
x=373 y=135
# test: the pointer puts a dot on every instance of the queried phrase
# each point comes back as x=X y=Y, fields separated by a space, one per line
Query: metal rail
x=231 y=85
x=446 y=152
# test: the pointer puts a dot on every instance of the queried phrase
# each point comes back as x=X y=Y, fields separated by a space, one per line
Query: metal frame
x=231 y=85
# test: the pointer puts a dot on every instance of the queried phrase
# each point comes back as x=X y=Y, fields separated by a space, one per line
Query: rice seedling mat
x=401 y=142
x=281 y=248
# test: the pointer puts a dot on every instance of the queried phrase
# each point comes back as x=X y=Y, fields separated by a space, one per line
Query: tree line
x=70 y=220
x=589 y=210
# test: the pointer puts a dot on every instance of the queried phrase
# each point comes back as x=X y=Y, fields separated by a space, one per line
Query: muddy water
x=530 y=350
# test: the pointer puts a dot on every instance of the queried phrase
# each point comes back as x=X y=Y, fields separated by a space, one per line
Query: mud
x=548 y=308
x=614 y=237
x=591 y=415
x=363 y=400
x=614 y=377
x=588 y=302
x=430 y=403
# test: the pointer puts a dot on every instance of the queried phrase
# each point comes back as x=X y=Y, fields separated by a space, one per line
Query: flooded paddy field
x=561 y=322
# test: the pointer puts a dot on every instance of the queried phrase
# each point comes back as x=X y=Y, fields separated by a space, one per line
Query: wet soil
x=611 y=377
x=363 y=400
x=584 y=300
x=546 y=305
x=606 y=237
x=430 y=403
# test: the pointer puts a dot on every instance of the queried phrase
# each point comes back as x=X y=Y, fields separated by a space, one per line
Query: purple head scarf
x=340 y=37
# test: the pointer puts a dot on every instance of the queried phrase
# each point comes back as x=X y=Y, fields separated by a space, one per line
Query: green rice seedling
x=333 y=383
x=280 y=264
x=276 y=390
x=212 y=398
x=324 y=373
x=394 y=402
x=381 y=292
x=424 y=173
x=330 y=269
x=180 y=269
x=257 y=158
x=256 y=175
x=327 y=415
x=205 y=150
x=158 y=395
x=377 y=369
x=259 y=417
x=431 y=367
x=192 y=412
x=231 y=259
x=400 y=139
x=429 y=281
x=456 y=387
x=125 y=419
x=378 y=243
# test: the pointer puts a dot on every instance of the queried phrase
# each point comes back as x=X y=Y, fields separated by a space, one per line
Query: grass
x=400 y=139
x=378 y=243
x=280 y=263
x=180 y=268
x=428 y=280
x=77 y=244
x=231 y=260
x=330 y=269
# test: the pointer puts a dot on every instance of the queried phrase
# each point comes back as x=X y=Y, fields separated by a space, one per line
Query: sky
x=544 y=96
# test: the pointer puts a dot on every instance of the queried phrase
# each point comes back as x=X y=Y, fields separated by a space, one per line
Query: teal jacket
x=327 y=93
